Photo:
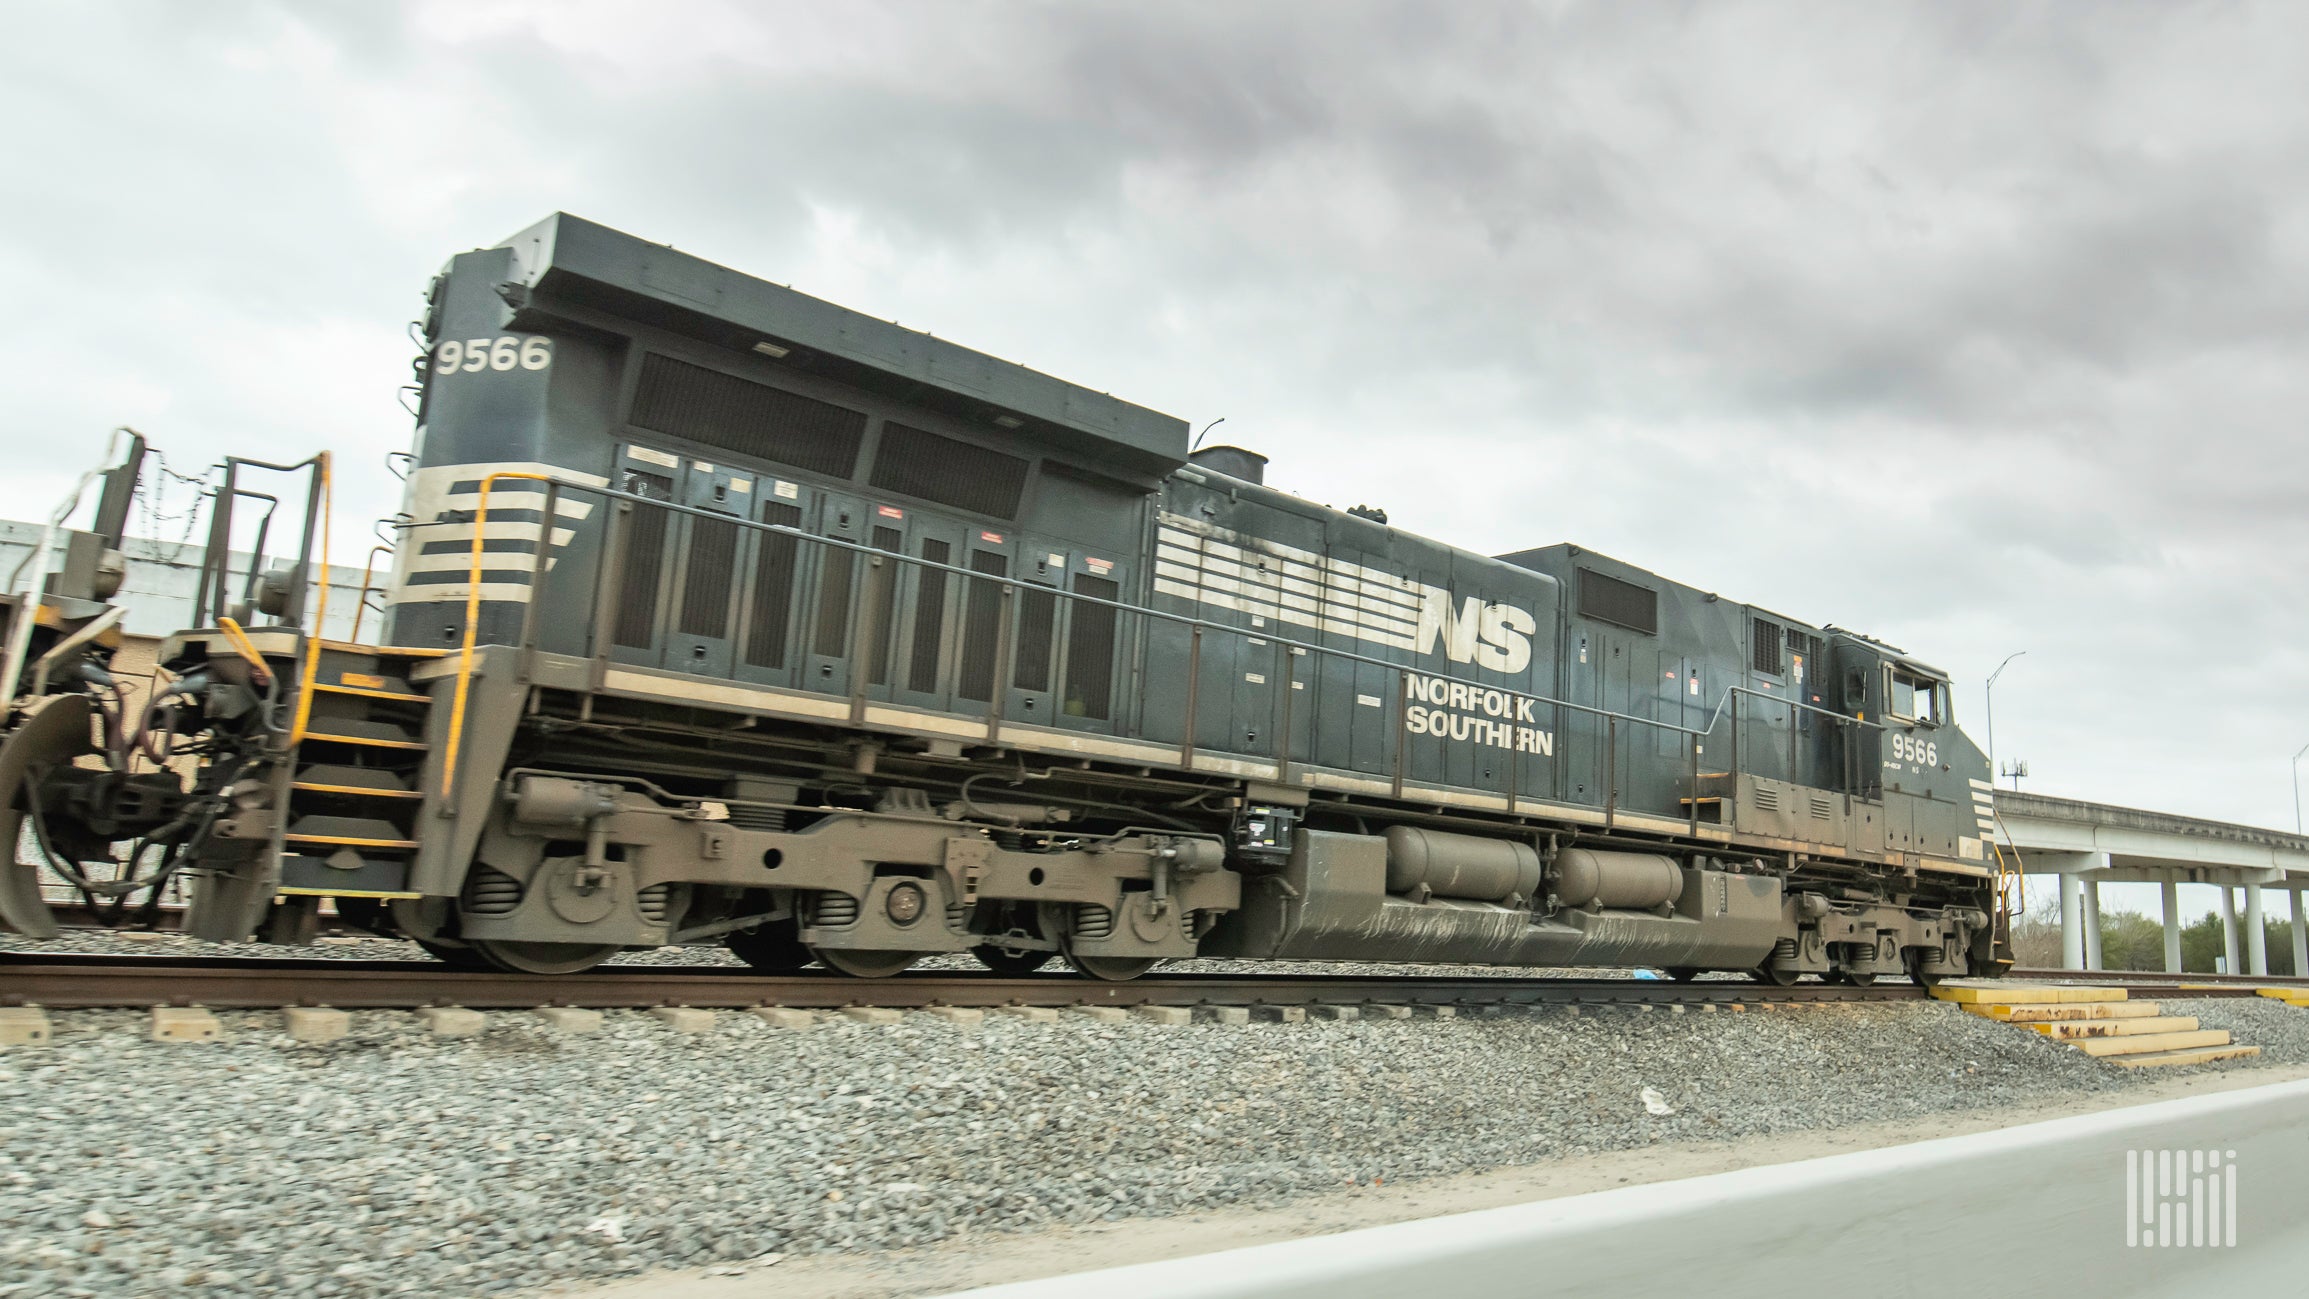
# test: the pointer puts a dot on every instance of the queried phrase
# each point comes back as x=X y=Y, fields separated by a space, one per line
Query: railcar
x=722 y=614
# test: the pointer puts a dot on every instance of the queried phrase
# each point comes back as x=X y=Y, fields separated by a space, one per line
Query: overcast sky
x=1979 y=327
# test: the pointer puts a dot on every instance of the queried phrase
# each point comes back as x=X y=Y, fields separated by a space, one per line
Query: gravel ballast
x=391 y=1162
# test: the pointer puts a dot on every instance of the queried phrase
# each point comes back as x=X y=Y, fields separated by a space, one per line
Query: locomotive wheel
x=52 y=736
x=1683 y=973
x=1014 y=961
x=1112 y=969
x=1777 y=978
x=457 y=954
x=1916 y=974
x=774 y=947
x=515 y=957
x=1860 y=978
x=864 y=963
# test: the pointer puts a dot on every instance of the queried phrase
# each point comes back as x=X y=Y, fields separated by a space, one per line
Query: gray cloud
x=1978 y=325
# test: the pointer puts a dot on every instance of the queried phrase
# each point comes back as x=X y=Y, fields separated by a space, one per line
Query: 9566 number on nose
x=504 y=352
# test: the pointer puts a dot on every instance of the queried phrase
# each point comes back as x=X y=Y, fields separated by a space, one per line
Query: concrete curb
x=2036 y=1209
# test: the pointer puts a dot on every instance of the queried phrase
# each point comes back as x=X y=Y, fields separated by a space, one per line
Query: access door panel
x=985 y=612
x=772 y=613
x=929 y=603
x=834 y=588
x=1091 y=666
x=642 y=554
x=702 y=605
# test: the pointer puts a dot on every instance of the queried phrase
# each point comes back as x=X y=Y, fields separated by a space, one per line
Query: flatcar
x=722 y=614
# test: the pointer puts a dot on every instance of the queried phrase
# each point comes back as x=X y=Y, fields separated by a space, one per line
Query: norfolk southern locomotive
x=723 y=614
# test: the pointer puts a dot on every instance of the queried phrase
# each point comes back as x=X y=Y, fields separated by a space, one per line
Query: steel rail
x=67 y=981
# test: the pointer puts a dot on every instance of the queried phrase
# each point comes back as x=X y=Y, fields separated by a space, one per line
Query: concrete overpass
x=2088 y=844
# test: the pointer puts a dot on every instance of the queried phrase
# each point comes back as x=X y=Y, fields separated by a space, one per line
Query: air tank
x=1631 y=881
x=1460 y=866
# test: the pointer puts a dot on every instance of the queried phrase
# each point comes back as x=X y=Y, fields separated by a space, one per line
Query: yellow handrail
x=320 y=618
x=473 y=620
x=361 y=607
x=241 y=644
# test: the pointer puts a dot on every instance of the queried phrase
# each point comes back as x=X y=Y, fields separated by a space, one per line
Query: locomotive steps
x=2102 y=1022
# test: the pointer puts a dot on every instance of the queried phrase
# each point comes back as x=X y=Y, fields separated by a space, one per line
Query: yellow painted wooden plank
x=2023 y=994
x=2070 y=1030
x=2042 y=1013
x=2200 y=1055
x=2152 y=1042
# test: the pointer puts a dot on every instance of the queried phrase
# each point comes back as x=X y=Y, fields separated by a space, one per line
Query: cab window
x=1918 y=698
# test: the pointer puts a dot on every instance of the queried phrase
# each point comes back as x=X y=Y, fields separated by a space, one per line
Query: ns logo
x=1494 y=636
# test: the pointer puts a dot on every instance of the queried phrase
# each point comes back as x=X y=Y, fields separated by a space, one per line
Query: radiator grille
x=752 y=419
x=713 y=559
x=1623 y=604
x=644 y=557
x=773 y=613
x=1764 y=642
x=981 y=615
x=929 y=619
x=1090 y=649
x=940 y=469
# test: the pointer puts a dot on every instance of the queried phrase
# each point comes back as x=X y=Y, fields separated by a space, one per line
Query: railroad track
x=83 y=981
x=71 y=980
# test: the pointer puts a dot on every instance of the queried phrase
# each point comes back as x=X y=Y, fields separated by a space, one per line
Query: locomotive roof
x=568 y=260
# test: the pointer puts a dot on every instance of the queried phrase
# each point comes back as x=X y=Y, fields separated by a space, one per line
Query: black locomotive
x=724 y=614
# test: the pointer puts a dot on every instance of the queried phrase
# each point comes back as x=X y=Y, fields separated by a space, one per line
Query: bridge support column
x=2171 y=889
x=2229 y=930
x=2300 y=940
x=2089 y=890
x=2256 y=933
x=2300 y=937
x=2072 y=930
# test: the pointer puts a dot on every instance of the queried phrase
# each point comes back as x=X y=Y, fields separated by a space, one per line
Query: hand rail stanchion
x=1514 y=752
x=323 y=494
x=1795 y=776
x=537 y=571
x=866 y=624
x=1286 y=678
x=1194 y=695
x=1611 y=764
x=219 y=556
x=1402 y=726
x=608 y=575
x=1695 y=786
x=1005 y=649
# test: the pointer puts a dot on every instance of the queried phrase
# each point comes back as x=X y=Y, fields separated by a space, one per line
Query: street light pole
x=1989 y=698
x=2297 y=791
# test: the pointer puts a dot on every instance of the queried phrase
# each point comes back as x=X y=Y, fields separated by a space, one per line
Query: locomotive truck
x=722 y=614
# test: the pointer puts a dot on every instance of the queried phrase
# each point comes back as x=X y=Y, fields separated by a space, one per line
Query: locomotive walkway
x=2088 y=844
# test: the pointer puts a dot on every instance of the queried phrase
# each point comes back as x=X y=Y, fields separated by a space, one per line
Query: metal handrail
x=1197 y=627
